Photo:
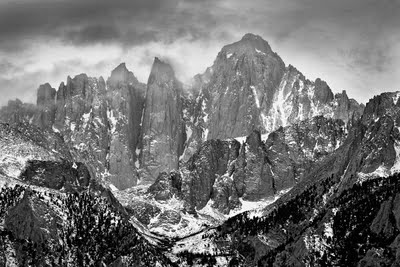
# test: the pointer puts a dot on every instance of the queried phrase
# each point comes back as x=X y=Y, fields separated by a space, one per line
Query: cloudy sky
x=352 y=44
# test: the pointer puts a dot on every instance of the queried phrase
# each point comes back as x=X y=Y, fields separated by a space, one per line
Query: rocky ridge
x=127 y=132
x=342 y=212
x=254 y=90
x=334 y=157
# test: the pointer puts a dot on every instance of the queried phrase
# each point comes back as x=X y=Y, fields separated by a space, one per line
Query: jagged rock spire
x=163 y=127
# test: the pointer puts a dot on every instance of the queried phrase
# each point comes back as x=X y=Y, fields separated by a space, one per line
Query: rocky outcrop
x=199 y=173
x=143 y=211
x=125 y=101
x=372 y=147
x=166 y=186
x=100 y=122
x=163 y=128
x=226 y=171
x=64 y=175
x=16 y=112
x=46 y=97
x=382 y=224
x=23 y=142
x=32 y=219
x=258 y=178
x=81 y=118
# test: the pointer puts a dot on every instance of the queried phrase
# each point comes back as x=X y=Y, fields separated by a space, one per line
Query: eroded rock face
x=63 y=175
x=23 y=142
x=258 y=180
x=224 y=171
x=143 y=211
x=167 y=217
x=372 y=147
x=203 y=168
x=16 y=112
x=125 y=131
x=166 y=186
x=46 y=97
x=125 y=101
x=163 y=126
x=99 y=121
x=81 y=118
x=245 y=77
x=32 y=219
x=254 y=90
x=382 y=224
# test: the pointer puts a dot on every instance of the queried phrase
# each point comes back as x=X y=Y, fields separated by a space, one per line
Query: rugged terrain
x=252 y=164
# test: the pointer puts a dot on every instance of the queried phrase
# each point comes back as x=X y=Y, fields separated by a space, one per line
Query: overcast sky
x=352 y=44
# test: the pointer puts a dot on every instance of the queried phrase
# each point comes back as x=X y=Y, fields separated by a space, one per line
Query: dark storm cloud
x=93 y=21
x=327 y=39
x=372 y=58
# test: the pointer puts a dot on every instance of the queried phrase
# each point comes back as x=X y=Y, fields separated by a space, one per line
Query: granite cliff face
x=245 y=76
x=125 y=101
x=163 y=126
x=254 y=90
x=348 y=200
x=46 y=96
x=372 y=147
x=128 y=132
x=17 y=112
x=100 y=122
x=226 y=172
x=80 y=117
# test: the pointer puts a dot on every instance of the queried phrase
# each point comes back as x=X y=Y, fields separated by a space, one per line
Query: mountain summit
x=249 y=44
x=163 y=127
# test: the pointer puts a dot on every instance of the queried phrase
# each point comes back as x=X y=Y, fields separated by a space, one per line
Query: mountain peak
x=122 y=74
x=45 y=94
x=250 y=44
x=161 y=71
x=121 y=68
x=251 y=36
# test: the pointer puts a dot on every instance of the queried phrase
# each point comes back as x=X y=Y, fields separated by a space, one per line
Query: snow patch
x=228 y=56
x=259 y=52
x=253 y=88
x=381 y=171
x=86 y=117
x=241 y=139
x=113 y=187
x=396 y=98
x=188 y=132
x=396 y=166
x=256 y=208
x=205 y=134
x=55 y=129
x=328 y=229
x=264 y=137
x=113 y=121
